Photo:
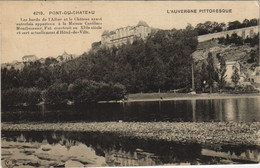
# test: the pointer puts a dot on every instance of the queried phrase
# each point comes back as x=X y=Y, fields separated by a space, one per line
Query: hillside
x=230 y=52
x=242 y=54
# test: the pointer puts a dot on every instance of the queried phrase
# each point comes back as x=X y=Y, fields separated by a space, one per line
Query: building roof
x=142 y=23
x=29 y=56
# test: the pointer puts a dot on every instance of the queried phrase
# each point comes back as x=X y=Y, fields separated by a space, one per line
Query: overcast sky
x=115 y=15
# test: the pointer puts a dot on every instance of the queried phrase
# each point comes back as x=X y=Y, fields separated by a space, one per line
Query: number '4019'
x=38 y=13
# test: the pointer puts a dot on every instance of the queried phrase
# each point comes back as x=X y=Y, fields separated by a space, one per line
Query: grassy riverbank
x=145 y=97
x=203 y=133
x=185 y=96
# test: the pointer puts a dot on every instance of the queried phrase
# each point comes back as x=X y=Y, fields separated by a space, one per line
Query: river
x=235 y=109
x=59 y=148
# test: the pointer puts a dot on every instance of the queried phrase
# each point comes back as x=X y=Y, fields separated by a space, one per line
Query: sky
x=114 y=15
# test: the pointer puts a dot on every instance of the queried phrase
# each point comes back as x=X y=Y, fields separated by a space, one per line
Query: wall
x=243 y=32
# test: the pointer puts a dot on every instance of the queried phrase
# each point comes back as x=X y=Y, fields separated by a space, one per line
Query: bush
x=32 y=96
x=82 y=91
x=118 y=91
x=11 y=97
x=57 y=93
x=255 y=40
x=110 y=91
x=221 y=40
x=236 y=39
x=88 y=91
x=18 y=96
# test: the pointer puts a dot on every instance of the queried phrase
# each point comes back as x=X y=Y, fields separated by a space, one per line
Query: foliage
x=57 y=93
x=201 y=77
x=18 y=96
x=50 y=60
x=212 y=74
x=209 y=27
x=235 y=76
x=233 y=39
x=214 y=27
x=32 y=96
x=161 y=62
x=237 y=40
x=254 y=57
x=246 y=23
x=255 y=40
x=88 y=91
x=222 y=73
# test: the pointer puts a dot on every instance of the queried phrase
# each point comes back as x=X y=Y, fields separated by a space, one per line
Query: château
x=125 y=34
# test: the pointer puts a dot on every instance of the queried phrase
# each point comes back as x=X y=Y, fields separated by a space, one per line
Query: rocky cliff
x=246 y=55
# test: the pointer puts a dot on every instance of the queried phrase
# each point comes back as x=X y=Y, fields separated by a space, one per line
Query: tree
x=211 y=71
x=50 y=60
x=222 y=73
x=201 y=76
x=253 y=22
x=209 y=27
x=235 y=76
x=234 y=25
x=57 y=93
x=255 y=40
x=88 y=91
x=254 y=57
x=246 y=23
x=236 y=39
x=162 y=61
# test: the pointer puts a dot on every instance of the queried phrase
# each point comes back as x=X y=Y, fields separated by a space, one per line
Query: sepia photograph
x=129 y=83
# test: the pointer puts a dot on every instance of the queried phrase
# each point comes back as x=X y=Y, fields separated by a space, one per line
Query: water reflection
x=94 y=149
x=239 y=109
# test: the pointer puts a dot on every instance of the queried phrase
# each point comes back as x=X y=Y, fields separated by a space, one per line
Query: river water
x=236 y=109
x=59 y=149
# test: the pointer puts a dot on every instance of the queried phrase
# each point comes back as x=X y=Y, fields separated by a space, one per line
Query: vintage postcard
x=129 y=83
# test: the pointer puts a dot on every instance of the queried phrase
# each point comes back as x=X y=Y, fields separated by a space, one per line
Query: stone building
x=125 y=34
x=29 y=58
x=65 y=57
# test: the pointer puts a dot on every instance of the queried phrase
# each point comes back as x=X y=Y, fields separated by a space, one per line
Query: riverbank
x=204 y=133
x=146 y=97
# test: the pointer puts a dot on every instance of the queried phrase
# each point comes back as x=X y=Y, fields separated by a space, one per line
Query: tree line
x=214 y=27
x=162 y=61
x=238 y=40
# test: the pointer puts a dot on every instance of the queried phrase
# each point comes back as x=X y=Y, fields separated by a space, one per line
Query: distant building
x=65 y=57
x=125 y=34
x=29 y=58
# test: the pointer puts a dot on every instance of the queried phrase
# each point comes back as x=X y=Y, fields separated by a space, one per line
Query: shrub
x=18 y=96
x=32 y=96
x=82 y=91
x=57 y=93
x=88 y=91
x=118 y=91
